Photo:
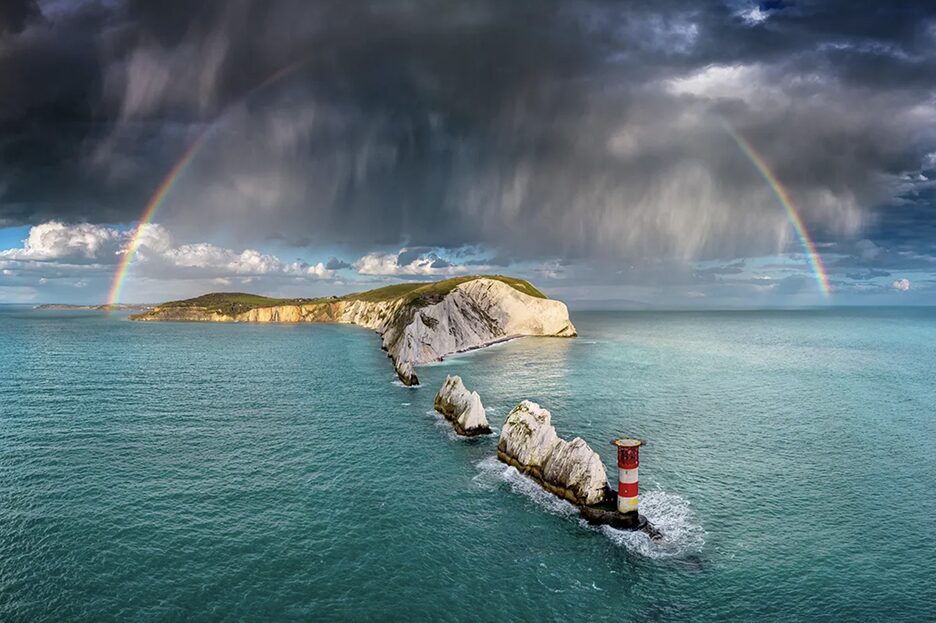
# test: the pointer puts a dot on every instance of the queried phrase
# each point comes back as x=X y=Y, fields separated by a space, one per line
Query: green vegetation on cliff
x=430 y=292
x=231 y=303
x=418 y=294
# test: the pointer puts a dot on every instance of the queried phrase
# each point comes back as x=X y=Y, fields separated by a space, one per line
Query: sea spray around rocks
x=682 y=534
x=492 y=473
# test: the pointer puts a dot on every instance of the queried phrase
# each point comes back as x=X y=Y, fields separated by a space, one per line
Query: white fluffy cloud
x=205 y=256
x=389 y=264
x=55 y=246
x=901 y=284
x=66 y=254
x=739 y=81
x=55 y=241
x=753 y=16
x=318 y=270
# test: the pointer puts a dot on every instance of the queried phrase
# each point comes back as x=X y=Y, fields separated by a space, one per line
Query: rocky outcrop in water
x=569 y=469
x=414 y=329
x=462 y=408
x=406 y=373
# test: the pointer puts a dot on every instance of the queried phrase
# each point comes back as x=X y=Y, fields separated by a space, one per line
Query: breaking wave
x=672 y=515
x=444 y=424
x=492 y=473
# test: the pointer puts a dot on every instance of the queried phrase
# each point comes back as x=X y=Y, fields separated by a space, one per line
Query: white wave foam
x=492 y=472
x=682 y=534
x=444 y=362
x=671 y=514
x=444 y=424
x=400 y=383
x=488 y=347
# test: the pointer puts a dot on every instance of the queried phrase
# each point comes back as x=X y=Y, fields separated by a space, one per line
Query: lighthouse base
x=606 y=514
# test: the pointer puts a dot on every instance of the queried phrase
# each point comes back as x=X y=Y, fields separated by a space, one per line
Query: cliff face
x=474 y=314
x=471 y=315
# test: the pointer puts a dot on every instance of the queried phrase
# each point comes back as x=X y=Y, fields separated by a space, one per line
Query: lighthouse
x=620 y=511
x=628 y=460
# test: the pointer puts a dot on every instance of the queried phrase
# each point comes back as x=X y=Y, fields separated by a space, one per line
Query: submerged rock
x=462 y=408
x=569 y=469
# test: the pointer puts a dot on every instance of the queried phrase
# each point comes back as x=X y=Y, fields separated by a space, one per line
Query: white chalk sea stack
x=406 y=373
x=462 y=408
x=569 y=469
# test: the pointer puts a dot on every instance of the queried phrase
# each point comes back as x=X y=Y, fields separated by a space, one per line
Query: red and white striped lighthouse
x=628 y=460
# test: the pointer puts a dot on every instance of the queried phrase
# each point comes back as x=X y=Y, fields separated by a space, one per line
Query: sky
x=608 y=151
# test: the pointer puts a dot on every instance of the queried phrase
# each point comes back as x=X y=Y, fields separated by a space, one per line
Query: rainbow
x=815 y=260
x=113 y=296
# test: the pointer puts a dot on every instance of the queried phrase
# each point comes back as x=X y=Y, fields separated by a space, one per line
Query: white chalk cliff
x=414 y=330
x=462 y=408
x=569 y=469
x=474 y=314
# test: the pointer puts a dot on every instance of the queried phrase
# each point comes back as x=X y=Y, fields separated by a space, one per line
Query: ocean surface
x=169 y=472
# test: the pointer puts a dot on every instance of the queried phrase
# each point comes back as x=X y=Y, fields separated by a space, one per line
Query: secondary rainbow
x=815 y=260
x=174 y=174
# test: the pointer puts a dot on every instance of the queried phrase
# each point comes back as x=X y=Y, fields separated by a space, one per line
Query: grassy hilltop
x=418 y=293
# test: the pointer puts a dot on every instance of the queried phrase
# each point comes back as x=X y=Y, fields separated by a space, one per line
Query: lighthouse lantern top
x=628 y=452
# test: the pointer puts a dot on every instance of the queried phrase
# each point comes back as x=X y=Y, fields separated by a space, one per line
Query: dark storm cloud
x=539 y=128
x=870 y=274
x=335 y=264
x=410 y=255
x=498 y=260
x=15 y=13
x=734 y=268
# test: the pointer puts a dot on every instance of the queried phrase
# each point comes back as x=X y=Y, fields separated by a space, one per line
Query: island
x=418 y=322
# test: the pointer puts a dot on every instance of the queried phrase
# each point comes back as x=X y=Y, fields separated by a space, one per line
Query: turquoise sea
x=170 y=472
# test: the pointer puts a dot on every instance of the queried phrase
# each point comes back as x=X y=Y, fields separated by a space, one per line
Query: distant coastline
x=117 y=307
